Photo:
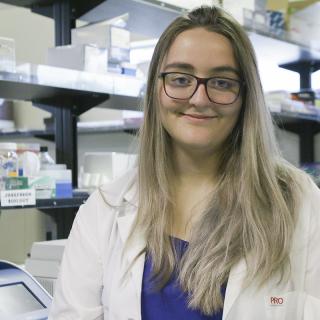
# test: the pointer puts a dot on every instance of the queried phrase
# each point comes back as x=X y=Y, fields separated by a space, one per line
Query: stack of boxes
x=99 y=47
x=296 y=20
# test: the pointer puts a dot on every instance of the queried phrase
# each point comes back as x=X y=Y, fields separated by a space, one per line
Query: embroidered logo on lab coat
x=276 y=301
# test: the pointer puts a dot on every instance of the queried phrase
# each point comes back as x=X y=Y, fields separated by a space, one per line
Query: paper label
x=23 y=197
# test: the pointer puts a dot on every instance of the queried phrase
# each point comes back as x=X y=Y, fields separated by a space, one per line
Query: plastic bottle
x=28 y=159
x=8 y=159
x=45 y=158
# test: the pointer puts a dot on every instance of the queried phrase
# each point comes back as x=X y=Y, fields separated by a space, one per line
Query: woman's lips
x=197 y=116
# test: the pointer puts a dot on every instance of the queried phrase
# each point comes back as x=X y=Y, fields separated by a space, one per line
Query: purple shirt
x=170 y=302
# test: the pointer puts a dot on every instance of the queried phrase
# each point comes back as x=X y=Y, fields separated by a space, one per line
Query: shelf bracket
x=305 y=69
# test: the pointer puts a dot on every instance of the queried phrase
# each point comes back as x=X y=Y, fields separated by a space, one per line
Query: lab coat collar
x=123 y=188
x=131 y=196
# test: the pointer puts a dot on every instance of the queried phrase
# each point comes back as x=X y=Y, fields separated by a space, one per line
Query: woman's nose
x=200 y=97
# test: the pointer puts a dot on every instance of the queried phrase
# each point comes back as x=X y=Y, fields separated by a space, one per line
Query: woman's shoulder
x=293 y=175
x=307 y=189
x=310 y=196
x=302 y=187
x=308 y=202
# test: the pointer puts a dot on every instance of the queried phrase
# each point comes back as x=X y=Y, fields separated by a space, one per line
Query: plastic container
x=52 y=184
x=8 y=160
x=63 y=182
x=28 y=159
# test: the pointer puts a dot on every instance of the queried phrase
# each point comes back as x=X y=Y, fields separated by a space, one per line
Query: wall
x=33 y=34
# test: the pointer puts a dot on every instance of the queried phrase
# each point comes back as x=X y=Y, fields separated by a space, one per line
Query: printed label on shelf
x=23 y=197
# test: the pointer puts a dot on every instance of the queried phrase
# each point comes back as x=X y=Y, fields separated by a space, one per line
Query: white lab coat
x=92 y=282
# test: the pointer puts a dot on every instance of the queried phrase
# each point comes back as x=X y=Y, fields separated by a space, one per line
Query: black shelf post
x=65 y=119
x=63 y=22
x=305 y=130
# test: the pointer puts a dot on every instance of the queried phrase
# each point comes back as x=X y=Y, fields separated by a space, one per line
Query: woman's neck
x=194 y=180
x=195 y=167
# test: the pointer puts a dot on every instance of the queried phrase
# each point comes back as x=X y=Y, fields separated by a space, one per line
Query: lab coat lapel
x=137 y=267
x=137 y=242
x=234 y=286
x=133 y=248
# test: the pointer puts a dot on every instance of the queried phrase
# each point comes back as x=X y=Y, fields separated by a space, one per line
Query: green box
x=15 y=183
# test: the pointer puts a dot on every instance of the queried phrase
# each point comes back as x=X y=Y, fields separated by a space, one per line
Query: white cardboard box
x=79 y=57
x=104 y=35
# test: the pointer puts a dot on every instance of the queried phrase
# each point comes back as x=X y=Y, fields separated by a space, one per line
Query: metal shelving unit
x=72 y=92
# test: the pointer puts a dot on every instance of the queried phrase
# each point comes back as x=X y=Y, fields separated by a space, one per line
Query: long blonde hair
x=251 y=214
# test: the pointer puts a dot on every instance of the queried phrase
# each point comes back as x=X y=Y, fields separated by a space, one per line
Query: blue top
x=170 y=302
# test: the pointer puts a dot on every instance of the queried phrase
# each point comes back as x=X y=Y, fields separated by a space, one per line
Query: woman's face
x=196 y=123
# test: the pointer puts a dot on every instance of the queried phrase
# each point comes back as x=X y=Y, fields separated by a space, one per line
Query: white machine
x=21 y=296
x=44 y=262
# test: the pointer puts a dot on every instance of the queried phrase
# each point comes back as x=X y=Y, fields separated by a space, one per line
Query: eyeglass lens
x=183 y=86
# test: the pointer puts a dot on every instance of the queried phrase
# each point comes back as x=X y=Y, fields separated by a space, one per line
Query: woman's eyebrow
x=179 y=65
x=189 y=67
x=225 y=69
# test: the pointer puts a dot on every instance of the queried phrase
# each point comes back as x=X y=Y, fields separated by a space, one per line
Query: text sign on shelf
x=23 y=197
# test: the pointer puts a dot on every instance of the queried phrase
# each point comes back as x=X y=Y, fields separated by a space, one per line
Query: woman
x=213 y=224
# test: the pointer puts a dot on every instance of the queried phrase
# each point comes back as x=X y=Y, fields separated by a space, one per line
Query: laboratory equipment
x=21 y=296
x=44 y=262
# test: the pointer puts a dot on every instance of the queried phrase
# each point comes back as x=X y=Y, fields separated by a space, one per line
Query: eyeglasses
x=182 y=86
